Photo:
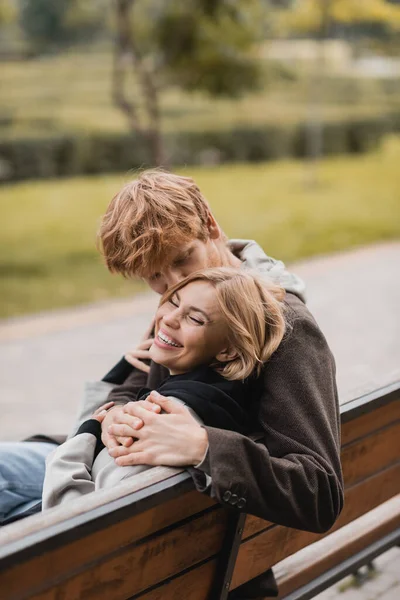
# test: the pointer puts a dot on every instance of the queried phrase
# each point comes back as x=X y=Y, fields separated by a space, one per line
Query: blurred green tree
x=369 y=16
x=51 y=24
x=206 y=45
x=8 y=12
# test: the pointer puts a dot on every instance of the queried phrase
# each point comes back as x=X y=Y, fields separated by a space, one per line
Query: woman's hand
x=138 y=355
x=172 y=439
x=116 y=416
x=101 y=412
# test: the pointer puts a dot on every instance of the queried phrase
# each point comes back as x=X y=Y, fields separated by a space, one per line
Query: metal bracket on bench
x=228 y=555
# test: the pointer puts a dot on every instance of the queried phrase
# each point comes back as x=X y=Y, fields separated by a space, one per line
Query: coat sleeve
x=128 y=390
x=68 y=470
x=94 y=395
x=293 y=476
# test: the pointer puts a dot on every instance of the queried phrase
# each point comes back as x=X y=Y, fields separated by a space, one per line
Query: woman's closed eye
x=174 y=301
x=196 y=320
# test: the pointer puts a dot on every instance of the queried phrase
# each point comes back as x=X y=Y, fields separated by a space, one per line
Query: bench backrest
x=163 y=540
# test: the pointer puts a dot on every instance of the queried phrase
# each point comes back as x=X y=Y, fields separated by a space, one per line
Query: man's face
x=180 y=263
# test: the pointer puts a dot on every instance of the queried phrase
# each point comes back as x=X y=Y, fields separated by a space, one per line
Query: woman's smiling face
x=190 y=330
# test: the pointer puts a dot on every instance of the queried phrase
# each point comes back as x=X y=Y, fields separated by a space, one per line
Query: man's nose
x=172 y=278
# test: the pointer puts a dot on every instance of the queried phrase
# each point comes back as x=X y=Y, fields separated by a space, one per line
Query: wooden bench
x=160 y=539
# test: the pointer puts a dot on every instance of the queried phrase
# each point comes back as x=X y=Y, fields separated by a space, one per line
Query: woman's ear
x=226 y=355
x=214 y=229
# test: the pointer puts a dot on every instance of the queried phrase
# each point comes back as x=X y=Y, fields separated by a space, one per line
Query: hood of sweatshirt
x=253 y=257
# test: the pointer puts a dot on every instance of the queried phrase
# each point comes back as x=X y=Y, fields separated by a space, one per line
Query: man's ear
x=214 y=229
x=226 y=355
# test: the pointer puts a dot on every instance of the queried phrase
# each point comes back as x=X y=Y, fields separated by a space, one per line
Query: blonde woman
x=213 y=332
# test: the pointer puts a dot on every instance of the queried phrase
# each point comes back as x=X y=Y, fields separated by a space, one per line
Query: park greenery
x=94 y=89
x=47 y=248
x=144 y=68
x=74 y=128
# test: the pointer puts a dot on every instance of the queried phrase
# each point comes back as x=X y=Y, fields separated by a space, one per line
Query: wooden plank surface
x=138 y=566
x=76 y=556
x=122 y=551
x=370 y=454
x=297 y=570
x=195 y=583
x=360 y=459
x=273 y=545
x=371 y=421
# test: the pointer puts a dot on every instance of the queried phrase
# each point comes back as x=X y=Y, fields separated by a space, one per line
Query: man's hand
x=138 y=355
x=116 y=416
x=172 y=439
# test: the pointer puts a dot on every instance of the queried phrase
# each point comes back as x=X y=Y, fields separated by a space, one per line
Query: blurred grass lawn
x=71 y=92
x=47 y=247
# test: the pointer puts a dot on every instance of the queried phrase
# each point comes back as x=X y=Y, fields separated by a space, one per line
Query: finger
x=137 y=363
x=109 y=441
x=125 y=441
x=99 y=416
x=105 y=407
x=127 y=419
x=121 y=431
x=135 y=409
x=152 y=406
x=166 y=404
x=145 y=345
x=149 y=330
x=119 y=451
x=138 y=353
x=132 y=459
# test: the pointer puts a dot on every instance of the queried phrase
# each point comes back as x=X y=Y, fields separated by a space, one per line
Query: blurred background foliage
x=94 y=87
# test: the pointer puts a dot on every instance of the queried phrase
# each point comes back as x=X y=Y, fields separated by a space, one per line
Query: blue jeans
x=22 y=468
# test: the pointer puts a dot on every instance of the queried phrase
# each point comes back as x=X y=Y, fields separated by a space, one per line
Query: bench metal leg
x=228 y=555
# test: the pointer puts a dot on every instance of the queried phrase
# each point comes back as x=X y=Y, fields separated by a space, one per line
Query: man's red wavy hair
x=151 y=215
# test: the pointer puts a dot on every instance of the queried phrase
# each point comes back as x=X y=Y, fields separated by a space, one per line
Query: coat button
x=241 y=503
x=227 y=496
x=234 y=499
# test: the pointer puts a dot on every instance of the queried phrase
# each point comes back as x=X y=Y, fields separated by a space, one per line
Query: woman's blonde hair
x=252 y=308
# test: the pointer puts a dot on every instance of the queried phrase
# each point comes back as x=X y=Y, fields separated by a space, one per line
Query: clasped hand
x=156 y=431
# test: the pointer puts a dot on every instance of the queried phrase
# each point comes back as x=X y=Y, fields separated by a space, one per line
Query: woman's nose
x=172 y=319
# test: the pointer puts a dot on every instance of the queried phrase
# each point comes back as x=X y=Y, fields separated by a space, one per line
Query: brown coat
x=292 y=475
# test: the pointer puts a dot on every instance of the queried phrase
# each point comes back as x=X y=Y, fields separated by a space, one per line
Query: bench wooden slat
x=297 y=570
x=74 y=556
x=360 y=459
x=135 y=567
x=370 y=454
x=372 y=421
x=194 y=584
x=270 y=547
x=162 y=550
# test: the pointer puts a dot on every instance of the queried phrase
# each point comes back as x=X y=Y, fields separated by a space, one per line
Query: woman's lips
x=163 y=340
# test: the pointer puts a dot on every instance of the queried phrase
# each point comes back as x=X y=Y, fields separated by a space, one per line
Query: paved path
x=44 y=360
x=355 y=297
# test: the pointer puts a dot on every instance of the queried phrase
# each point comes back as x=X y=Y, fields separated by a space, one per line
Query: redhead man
x=160 y=227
